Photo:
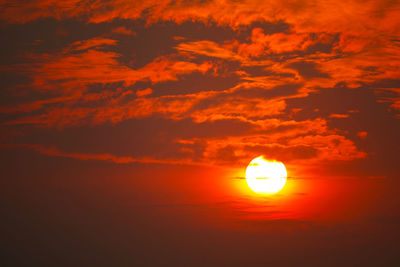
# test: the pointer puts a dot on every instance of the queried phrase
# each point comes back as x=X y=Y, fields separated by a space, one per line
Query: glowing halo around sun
x=264 y=176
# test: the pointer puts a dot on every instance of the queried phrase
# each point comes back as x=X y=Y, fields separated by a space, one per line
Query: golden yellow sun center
x=265 y=176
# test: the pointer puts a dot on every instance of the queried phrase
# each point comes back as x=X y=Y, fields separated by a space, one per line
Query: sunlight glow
x=264 y=176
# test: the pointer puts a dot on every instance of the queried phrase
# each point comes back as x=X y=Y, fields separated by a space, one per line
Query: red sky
x=126 y=127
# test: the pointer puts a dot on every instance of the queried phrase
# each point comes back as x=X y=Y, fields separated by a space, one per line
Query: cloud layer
x=256 y=81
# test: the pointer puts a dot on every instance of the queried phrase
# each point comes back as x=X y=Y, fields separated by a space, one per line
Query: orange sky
x=120 y=115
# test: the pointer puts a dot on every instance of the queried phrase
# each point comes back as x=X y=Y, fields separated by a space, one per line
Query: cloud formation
x=251 y=76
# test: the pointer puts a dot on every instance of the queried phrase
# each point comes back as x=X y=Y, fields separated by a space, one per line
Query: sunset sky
x=126 y=127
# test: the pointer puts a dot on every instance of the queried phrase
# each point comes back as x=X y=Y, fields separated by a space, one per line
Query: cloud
x=236 y=108
x=53 y=151
x=92 y=81
x=18 y=12
x=124 y=30
x=262 y=44
x=305 y=142
x=303 y=14
x=210 y=49
x=362 y=44
x=339 y=116
x=390 y=95
x=362 y=134
x=90 y=43
x=83 y=63
x=308 y=70
x=144 y=92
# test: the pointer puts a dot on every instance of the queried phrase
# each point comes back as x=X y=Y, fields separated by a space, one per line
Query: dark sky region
x=126 y=128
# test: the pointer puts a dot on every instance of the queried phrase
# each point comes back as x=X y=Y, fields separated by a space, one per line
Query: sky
x=126 y=128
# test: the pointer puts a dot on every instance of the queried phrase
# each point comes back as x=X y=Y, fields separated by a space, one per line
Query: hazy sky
x=126 y=127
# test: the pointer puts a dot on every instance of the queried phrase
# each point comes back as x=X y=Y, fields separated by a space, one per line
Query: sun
x=267 y=177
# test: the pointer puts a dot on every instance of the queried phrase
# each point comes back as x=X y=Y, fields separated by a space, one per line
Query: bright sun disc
x=265 y=176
